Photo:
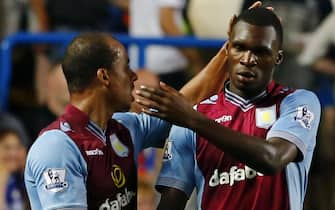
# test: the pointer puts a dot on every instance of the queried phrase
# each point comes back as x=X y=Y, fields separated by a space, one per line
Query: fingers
x=167 y=88
x=148 y=92
x=151 y=108
x=151 y=97
x=270 y=8
x=255 y=5
x=231 y=21
x=223 y=51
x=148 y=104
x=154 y=113
x=259 y=4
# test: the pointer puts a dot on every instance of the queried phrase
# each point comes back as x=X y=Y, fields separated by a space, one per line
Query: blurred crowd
x=38 y=92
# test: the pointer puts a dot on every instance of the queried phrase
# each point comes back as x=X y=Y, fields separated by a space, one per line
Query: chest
x=253 y=120
x=111 y=168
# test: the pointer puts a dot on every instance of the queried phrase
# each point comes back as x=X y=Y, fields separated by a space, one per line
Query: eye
x=262 y=52
x=238 y=46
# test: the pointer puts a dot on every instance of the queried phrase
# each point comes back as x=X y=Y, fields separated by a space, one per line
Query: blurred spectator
x=21 y=96
x=13 y=16
x=319 y=55
x=76 y=15
x=318 y=42
x=56 y=98
x=159 y=18
x=72 y=15
x=13 y=141
x=58 y=95
x=39 y=94
x=210 y=18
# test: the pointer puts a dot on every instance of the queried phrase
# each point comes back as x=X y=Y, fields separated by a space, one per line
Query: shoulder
x=53 y=149
x=302 y=106
x=300 y=96
x=51 y=143
x=131 y=120
x=127 y=118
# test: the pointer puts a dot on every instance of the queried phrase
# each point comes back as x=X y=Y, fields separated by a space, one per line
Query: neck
x=245 y=94
x=91 y=104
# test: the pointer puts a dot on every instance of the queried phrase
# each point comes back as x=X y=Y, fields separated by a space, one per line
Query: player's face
x=252 y=55
x=123 y=79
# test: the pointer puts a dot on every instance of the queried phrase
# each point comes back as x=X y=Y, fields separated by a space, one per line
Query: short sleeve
x=56 y=173
x=146 y=131
x=299 y=120
x=178 y=161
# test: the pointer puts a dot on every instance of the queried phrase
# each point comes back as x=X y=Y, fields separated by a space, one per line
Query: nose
x=248 y=59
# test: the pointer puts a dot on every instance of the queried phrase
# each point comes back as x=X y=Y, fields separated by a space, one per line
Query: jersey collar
x=244 y=104
x=79 y=120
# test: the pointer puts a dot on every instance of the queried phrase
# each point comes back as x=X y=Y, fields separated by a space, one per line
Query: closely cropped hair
x=84 y=56
x=261 y=16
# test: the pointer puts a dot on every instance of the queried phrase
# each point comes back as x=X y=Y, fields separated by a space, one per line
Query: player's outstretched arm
x=209 y=80
x=172 y=198
x=267 y=157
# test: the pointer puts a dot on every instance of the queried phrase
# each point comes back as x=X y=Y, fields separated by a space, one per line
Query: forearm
x=255 y=152
x=172 y=199
x=208 y=81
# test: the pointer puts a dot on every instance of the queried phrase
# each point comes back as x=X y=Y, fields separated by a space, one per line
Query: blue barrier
x=62 y=38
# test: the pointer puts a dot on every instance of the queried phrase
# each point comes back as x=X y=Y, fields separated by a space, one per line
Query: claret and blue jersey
x=74 y=164
x=221 y=181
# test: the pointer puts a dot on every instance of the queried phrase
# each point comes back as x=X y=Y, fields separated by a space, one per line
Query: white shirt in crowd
x=145 y=22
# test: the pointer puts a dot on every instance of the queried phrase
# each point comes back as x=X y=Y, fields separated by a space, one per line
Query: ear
x=103 y=76
x=279 y=57
x=226 y=46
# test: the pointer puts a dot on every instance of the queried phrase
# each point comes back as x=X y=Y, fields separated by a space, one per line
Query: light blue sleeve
x=299 y=120
x=178 y=161
x=56 y=173
x=146 y=131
